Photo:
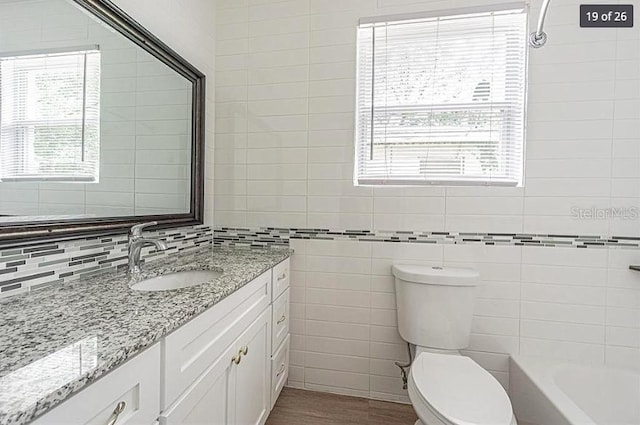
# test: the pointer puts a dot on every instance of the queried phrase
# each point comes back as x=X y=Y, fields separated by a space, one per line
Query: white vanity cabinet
x=234 y=388
x=246 y=335
x=227 y=366
x=191 y=349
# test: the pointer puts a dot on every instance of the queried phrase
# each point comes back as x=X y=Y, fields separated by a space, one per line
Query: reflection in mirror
x=91 y=124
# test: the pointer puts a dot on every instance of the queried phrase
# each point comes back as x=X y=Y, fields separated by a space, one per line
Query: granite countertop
x=55 y=341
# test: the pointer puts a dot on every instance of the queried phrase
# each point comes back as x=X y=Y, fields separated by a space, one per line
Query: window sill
x=429 y=183
x=50 y=179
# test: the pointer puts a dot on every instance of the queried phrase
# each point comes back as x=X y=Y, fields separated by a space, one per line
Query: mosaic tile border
x=37 y=266
x=266 y=236
x=34 y=267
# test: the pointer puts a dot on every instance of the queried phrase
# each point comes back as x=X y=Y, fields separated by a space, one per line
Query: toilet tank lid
x=447 y=276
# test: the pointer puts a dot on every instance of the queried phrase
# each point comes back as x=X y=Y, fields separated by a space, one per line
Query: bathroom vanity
x=96 y=351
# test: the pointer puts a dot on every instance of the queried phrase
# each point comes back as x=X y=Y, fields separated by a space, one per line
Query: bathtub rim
x=540 y=372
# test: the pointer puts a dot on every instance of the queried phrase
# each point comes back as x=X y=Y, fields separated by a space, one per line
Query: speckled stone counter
x=55 y=341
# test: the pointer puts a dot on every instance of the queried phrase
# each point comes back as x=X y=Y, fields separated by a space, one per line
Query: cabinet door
x=252 y=376
x=234 y=390
x=207 y=400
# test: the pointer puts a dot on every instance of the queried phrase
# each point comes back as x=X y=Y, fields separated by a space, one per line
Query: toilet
x=435 y=309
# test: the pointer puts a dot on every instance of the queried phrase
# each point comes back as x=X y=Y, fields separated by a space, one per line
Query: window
x=50 y=116
x=440 y=100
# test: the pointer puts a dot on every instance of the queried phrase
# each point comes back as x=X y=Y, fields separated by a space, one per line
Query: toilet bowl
x=435 y=309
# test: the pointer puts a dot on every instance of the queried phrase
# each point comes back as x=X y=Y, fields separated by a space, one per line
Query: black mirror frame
x=20 y=233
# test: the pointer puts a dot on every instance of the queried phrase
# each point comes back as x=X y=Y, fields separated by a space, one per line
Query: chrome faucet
x=136 y=242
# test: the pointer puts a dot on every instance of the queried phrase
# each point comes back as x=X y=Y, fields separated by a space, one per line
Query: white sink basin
x=176 y=280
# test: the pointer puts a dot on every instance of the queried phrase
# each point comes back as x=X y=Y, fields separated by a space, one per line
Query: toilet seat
x=457 y=391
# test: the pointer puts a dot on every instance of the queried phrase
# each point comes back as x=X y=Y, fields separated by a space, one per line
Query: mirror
x=101 y=124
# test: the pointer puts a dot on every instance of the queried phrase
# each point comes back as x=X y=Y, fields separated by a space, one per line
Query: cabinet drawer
x=280 y=278
x=280 y=321
x=279 y=370
x=136 y=384
x=191 y=349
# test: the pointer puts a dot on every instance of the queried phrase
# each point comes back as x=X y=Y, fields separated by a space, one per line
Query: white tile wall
x=567 y=303
x=285 y=99
x=284 y=154
x=145 y=118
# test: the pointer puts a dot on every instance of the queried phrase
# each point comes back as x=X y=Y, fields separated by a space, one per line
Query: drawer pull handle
x=282 y=319
x=236 y=359
x=241 y=352
x=283 y=276
x=116 y=413
x=281 y=371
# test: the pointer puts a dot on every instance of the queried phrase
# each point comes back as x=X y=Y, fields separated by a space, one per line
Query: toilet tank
x=435 y=305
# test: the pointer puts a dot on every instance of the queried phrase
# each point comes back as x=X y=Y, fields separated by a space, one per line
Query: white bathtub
x=549 y=392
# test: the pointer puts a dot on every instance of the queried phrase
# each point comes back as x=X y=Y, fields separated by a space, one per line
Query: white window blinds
x=440 y=100
x=50 y=116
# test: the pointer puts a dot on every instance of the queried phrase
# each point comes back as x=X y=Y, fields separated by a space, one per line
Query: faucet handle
x=136 y=231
